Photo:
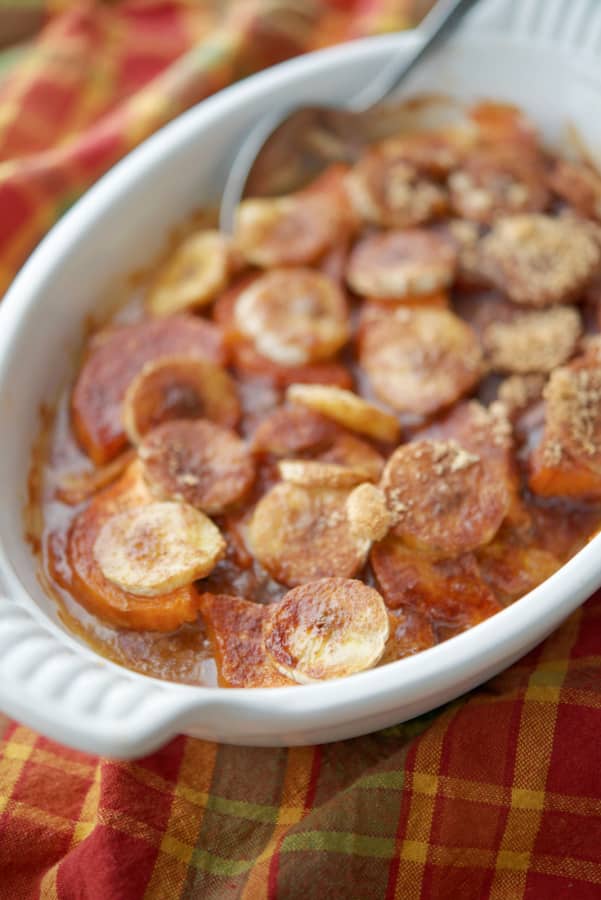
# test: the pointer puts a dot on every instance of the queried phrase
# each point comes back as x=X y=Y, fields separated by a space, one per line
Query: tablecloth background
x=496 y=795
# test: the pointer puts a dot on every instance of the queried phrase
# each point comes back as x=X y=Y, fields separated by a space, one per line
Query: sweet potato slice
x=292 y=429
x=235 y=629
x=567 y=462
x=442 y=498
x=451 y=591
x=512 y=567
x=97 y=399
x=104 y=599
x=410 y=632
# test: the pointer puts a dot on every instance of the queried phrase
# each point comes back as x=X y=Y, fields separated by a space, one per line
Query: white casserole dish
x=541 y=54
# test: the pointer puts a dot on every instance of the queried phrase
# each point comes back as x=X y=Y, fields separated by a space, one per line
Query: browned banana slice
x=327 y=629
x=293 y=429
x=347 y=409
x=399 y=264
x=443 y=498
x=579 y=185
x=300 y=534
x=313 y=473
x=113 y=364
x=235 y=629
x=392 y=192
x=367 y=512
x=199 y=462
x=179 y=387
x=420 y=360
x=157 y=548
x=293 y=230
x=451 y=591
x=537 y=341
x=293 y=316
x=193 y=275
x=538 y=260
x=497 y=181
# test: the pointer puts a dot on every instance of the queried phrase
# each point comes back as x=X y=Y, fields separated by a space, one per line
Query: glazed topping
x=381 y=377
x=401 y=264
x=293 y=316
x=327 y=629
x=538 y=260
x=157 y=548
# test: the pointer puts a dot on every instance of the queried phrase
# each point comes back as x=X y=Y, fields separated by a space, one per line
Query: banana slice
x=235 y=629
x=443 y=498
x=497 y=181
x=392 y=192
x=313 y=473
x=179 y=387
x=116 y=360
x=420 y=360
x=193 y=275
x=293 y=316
x=579 y=185
x=288 y=231
x=86 y=581
x=398 y=264
x=293 y=429
x=538 y=260
x=198 y=462
x=451 y=590
x=347 y=450
x=367 y=513
x=347 y=409
x=158 y=548
x=537 y=341
x=299 y=534
x=327 y=629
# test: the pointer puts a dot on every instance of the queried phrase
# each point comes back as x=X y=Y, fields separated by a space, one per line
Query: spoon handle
x=441 y=21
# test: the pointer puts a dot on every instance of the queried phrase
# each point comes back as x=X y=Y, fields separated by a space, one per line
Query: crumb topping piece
x=442 y=497
x=539 y=261
x=537 y=341
x=579 y=185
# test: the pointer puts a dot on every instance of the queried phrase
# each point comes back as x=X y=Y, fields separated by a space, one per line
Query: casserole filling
x=363 y=424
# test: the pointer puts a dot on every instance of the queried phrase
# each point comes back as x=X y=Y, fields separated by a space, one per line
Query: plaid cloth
x=497 y=795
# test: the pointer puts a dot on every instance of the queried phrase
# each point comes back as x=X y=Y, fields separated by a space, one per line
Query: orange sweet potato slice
x=442 y=498
x=449 y=590
x=235 y=629
x=512 y=567
x=95 y=592
x=293 y=429
x=97 y=399
x=410 y=632
x=567 y=462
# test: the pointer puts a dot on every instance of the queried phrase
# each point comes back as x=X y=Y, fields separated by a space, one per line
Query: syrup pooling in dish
x=365 y=423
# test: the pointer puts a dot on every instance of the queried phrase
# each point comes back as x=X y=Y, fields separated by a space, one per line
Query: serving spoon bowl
x=291 y=144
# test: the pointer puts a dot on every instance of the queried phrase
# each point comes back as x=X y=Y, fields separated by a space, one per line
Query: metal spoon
x=291 y=145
